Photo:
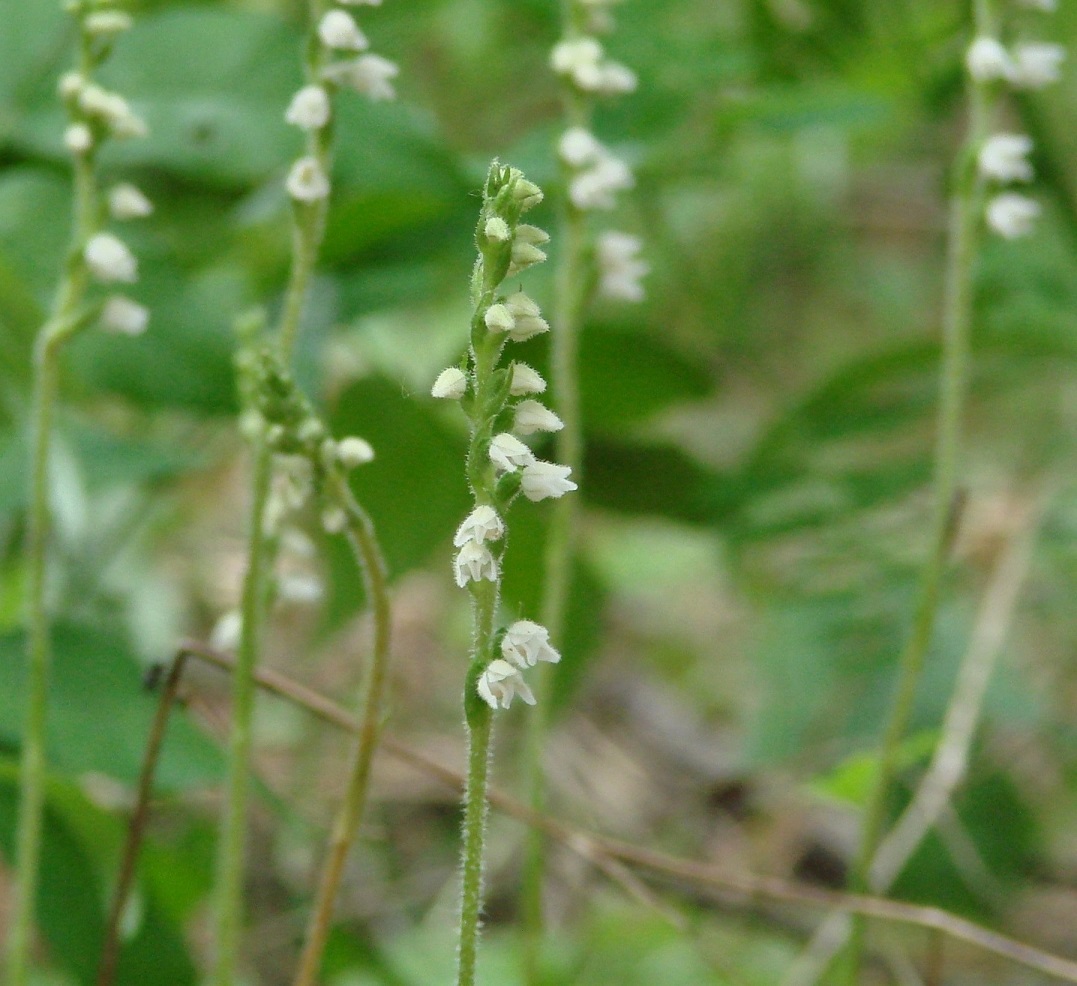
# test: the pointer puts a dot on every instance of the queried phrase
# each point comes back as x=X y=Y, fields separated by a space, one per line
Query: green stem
x=964 y=233
x=480 y=725
x=364 y=544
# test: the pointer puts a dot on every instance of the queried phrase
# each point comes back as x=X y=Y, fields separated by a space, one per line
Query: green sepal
x=507 y=487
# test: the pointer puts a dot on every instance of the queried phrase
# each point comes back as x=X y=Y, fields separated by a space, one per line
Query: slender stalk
x=307 y=233
x=476 y=805
x=966 y=208
x=364 y=544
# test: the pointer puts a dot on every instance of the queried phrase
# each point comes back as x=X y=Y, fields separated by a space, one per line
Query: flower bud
x=451 y=384
x=339 y=31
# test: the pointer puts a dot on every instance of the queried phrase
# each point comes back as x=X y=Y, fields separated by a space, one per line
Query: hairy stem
x=480 y=725
x=364 y=544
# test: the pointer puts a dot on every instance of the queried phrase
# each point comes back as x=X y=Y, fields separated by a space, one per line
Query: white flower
x=497 y=229
x=615 y=79
x=578 y=58
x=124 y=316
x=499 y=319
x=988 y=61
x=113 y=109
x=354 y=451
x=578 y=147
x=525 y=248
x=107 y=22
x=527 y=317
x=126 y=201
x=595 y=187
x=1037 y=64
x=109 y=259
x=500 y=683
x=1012 y=215
x=227 y=631
x=526 y=643
x=369 y=75
x=334 y=520
x=309 y=108
x=526 y=193
x=78 y=138
x=70 y=85
x=507 y=452
x=474 y=563
x=1004 y=157
x=451 y=384
x=525 y=380
x=300 y=587
x=619 y=267
x=482 y=524
x=307 y=182
x=338 y=30
x=541 y=480
x=531 y=416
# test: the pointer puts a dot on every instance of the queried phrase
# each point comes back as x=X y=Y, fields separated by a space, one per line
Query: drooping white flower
x=307 y=182
x=124 y=316
x=227 y=631
x=112 y=109
x=525 y=380
x=527 y=317
x=1037 y=64
x=988 y=60
x=507 y=452
x=497 y=229
x=126 y=201
x=78 y=138
x=474 y=563
x=105 y=22
x=542 y=480
x=369 y=75
x=354 y=451
x=500 y=683
x=615 y=79
x=1012 y=215
x=526 y=643
x=338 y=30
x=619 y=266
x=451 y=384
x=1004 y=157
x=579 y=59
x=499 y=319
x=578 y=147
x=482 y=524
x=531 y=416
x=309 y=109
x=70 y=85
x=595 y=187
x=526 y=193
x=525 y=248
x=109 y=259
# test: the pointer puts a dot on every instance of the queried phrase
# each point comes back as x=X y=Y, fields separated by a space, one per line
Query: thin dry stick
x=698 y=874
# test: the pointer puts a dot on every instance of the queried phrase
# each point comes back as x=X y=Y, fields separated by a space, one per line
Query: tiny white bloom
x=497 y=229
x=525 y=380
x=334 y=520
x=595 y=187
x=107 y=22
x=296 y=542
x=451 y=384
x=482 y=524
x=619 y=267
x=338 y=30
x=307 y=182
x=309 y=108
x=526 y=193
x=988 y=60
x=500 y=683
x=526 y=643
x=1004 y=157
x=300 y=587
x=531 y=416
x=1012 y=215
x=1037 y=64
x=354 y=451
x=526 y=314
x=525 y=247
x=124 y=316
x=578 y=147
x=126 y=201
x=615 y=79
x=498 y=318
x=579 y=59
x=369 y=75
x=474 y=563
x=541 y=480
x=109 y=259
x=78 y=138
x=507 y=452
x=227 y=631
x=113 y=109
x=70 y=85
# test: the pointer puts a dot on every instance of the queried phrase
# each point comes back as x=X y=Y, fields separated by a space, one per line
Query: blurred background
x=756 y=489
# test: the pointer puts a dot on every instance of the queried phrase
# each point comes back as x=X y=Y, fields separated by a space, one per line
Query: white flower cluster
x=351 y=67
x=594 y=175
x=523 y=646
x=1004 y=157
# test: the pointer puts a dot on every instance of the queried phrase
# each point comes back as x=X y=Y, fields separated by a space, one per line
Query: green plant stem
x=479 y=728
x=307 y=232
x=964 y=231
x=364 y=544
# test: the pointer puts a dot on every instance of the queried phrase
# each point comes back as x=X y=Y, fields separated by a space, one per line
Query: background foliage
x=759 y=438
